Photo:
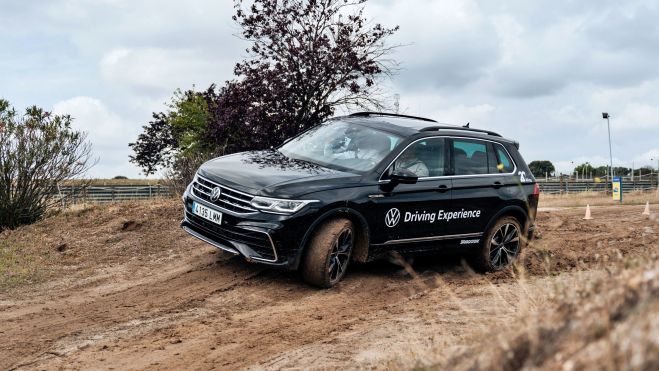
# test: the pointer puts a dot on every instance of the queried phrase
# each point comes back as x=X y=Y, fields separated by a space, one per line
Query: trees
x=180 y=130
x=306 y=59
x=586 y=168
x=37 y=151
x=645 y=170
x=621 y=171
x=540 y=168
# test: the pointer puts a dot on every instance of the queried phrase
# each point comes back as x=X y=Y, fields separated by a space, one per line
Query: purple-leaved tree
x=306 y=59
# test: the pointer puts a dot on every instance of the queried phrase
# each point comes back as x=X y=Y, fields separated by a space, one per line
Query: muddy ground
x=123 y=287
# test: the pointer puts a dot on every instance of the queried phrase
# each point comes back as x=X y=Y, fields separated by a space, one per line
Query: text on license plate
x=207 y=213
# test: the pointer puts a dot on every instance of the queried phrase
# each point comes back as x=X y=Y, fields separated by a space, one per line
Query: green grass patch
x=17 y=265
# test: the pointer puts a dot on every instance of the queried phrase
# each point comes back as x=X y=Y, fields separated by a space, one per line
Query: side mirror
x=403 y=176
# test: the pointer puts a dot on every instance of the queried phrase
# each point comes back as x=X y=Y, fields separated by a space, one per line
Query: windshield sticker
x=393 y=216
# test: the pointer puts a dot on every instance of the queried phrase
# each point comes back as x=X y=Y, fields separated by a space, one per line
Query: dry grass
x=86 y=237
x=607 y=322
x=603 y=316
x=595 y=305
x=597 y=199
x=18 y=265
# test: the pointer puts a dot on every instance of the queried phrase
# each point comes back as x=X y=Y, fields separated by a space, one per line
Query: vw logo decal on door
x=216 y=193
x=392 y=218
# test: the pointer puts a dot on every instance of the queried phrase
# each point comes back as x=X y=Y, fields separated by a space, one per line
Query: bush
x=38 y=150
x=183 y=170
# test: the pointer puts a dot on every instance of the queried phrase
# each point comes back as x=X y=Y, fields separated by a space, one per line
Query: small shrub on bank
x=38 y=150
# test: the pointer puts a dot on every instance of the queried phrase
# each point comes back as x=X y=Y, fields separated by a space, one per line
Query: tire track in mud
x=78 y=317
x=265 y=316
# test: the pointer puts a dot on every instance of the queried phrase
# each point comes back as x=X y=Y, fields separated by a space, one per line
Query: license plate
x=207 y=213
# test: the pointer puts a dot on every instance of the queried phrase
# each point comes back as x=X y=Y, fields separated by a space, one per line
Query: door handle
x=497 y=184
x=443 y=188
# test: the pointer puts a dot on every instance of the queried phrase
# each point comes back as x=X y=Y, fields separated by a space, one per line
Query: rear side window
x=505 y=164
x=469 y=157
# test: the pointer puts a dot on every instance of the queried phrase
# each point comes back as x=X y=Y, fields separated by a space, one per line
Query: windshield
x=338 y=144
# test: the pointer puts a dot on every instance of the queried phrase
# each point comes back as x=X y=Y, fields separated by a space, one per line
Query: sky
x=540 y=72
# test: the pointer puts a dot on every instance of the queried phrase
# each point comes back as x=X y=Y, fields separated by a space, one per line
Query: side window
x=505 y=164
x=492 y=161
x=424 y=158
x=469 y=157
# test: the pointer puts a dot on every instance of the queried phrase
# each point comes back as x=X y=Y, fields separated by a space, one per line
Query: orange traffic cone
x=587 y=217
x=647 y=208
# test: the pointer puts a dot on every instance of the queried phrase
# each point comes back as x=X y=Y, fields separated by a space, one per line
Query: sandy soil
x=123 y=287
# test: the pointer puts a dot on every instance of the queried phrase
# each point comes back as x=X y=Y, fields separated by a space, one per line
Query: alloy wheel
x=504 y=246
x=340 y=255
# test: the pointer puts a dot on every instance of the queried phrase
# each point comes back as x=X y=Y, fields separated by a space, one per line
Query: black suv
x=361 y=186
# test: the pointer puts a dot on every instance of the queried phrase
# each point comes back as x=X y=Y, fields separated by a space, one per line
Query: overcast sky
x=540 y=72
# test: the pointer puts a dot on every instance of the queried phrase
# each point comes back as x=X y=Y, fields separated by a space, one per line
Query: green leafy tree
x=621 y=171
x=179 y=131
x=38 y=150
x=188 y=118
x=645 y=170
x=601 y=171
x=540 y=168
x=585 y=169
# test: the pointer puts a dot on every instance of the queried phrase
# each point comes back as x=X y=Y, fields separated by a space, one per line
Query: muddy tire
x=501 y=245
x=328 y=253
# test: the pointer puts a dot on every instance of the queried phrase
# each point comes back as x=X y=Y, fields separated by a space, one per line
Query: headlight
x=277 y=205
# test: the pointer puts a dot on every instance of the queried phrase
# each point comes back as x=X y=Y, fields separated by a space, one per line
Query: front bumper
x=259 y=237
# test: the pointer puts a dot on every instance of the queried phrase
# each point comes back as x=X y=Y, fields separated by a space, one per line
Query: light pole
x=606 y=116
x=572 y=162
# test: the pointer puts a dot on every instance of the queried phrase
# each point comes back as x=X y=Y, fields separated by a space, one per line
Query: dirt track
x=130 y=290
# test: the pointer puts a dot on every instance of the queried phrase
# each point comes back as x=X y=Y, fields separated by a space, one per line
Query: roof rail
x=367 y=114
x=460 y=128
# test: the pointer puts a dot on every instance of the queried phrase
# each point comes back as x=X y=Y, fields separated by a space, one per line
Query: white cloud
x=538 y=72
x=159 y=70
x=649 y=158
x=107 y=131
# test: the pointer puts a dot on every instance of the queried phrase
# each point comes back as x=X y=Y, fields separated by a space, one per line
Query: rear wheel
x=501 y=245
x=329 y=252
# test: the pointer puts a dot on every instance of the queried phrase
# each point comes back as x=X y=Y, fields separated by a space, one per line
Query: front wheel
x=328 y=255
x=501 y=245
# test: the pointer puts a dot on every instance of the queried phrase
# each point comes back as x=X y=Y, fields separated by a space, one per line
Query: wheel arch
x=512 y=210
x=360 y=250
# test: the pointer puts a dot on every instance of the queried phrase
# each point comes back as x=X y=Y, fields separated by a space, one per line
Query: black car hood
x=270 y=173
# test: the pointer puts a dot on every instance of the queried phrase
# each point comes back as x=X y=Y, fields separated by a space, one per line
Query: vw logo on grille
x=216 y=193
x=392 y=218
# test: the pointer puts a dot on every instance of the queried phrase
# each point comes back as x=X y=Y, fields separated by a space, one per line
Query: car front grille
x=258 y=241
x=230 y=199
